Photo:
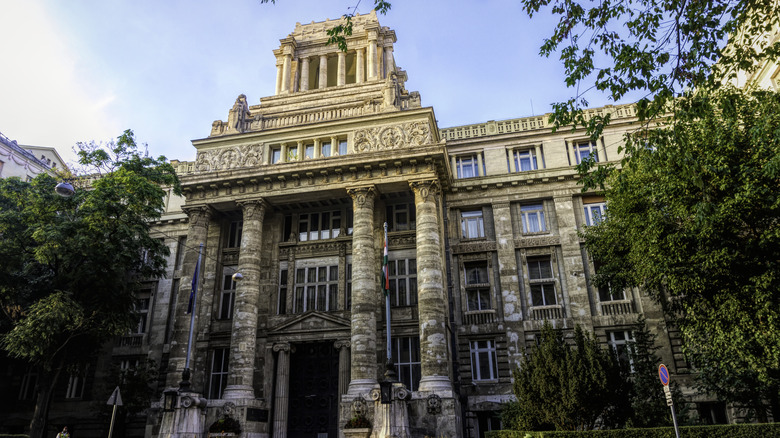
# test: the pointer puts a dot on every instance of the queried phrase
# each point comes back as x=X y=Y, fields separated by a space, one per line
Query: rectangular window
x=477 y=286
x=467 y=166
x=292 y=153
x=401 y=217
x=282 y=305
x=594 y=212
x=228 y=297
x=308 y=151
x=317 y=226
x=316 y=288
x=484 y=364
x=533 y=218
x=325 y=149
x=219 y=372
x=542 y=282
x=471 y=224
x=142 y=302
x=584 y=150
x=234 y=234
x=342 y=147
x=27 y=388
x=276 y=155
x=172 y=310
x=622 y=345
x=403 y=282
x=525 y=159
x=75 y=387
x=406 y=355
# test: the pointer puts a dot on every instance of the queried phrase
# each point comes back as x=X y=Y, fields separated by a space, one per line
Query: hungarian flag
x=194 y=287
x=385 y=269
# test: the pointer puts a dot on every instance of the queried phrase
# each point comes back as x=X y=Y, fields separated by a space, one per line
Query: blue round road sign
x=663 y=374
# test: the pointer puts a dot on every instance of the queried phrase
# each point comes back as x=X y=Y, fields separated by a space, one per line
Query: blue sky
x=81 y=70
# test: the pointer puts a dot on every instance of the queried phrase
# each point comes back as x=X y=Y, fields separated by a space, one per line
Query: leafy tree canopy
x=70 y=265
x=656 y=47
x=693 y=218
x=567 y=387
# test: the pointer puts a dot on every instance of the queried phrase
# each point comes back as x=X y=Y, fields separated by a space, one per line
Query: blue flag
x=194 y=287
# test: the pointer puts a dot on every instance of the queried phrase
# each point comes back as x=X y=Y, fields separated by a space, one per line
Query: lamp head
x=64 y=189
x=238 y=276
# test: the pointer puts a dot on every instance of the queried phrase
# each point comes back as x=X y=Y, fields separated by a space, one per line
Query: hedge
x=745 y=430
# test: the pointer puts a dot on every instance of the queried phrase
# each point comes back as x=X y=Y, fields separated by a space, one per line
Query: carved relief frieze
x=233 y=157
x=537 y=241
x=403 y=241
x=392 y=137
x=467 y=247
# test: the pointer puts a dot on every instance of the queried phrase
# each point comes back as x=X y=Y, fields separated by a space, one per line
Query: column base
x=361 y=387
x=233 y=392
x=439 y=385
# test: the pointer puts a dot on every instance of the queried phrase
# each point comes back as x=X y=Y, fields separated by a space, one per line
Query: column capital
x=282 y=346
x=199 y=215
x=252 y=207
x=361 y=194
x=342 y=344
x=425 y=188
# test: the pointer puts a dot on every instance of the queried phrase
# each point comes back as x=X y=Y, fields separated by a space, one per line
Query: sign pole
x=663 y=374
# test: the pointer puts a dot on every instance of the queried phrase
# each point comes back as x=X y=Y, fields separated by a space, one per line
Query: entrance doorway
x=314 y=381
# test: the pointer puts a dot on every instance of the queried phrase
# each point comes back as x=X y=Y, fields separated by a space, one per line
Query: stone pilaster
x=343 y=347
x=573 y=274
x=389 y=60
x=434 y=354
x=282 y=395
x=196 y=234
x=360 y=72
x=278 y=88
x=511 y=295
x=342 y=72
x=323 y=71
x=365 y=297
x=305 y=74
x=371 y=57
x=286 y=73
x=243 y=337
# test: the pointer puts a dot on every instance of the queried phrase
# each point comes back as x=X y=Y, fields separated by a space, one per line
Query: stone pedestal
x=188 y=419
x=391 y=420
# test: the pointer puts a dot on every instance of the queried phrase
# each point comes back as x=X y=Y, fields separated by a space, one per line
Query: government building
x=293 y=193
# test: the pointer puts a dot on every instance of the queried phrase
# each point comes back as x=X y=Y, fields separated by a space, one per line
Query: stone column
x=305 y=74
x=243 y=337
x=389 y=60
x=371 y=56
x=342 y=73
x=278 y=78
x=282 y=394
x=196 y=234
x=365 y=297
x=323 y=71
x=432 y=302
x=286 y=73
x=360 y=72
x=343 y=347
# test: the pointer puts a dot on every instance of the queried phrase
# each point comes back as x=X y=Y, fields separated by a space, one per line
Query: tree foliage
x=567 y=387
x=657 y=47
x=693 y=218
x=71 y=265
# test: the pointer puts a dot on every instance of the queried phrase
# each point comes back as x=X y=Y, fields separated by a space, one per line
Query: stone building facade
x=483 y=247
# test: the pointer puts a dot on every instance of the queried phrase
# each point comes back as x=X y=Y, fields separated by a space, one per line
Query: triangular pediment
x=312 y=322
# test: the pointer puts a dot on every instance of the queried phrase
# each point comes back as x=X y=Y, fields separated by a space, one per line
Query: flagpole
x=185 y=375
x=387 y=302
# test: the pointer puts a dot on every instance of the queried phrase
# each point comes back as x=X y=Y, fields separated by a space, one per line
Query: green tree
x=693 y=218
x=656 y=47
x=567 y=387
x=648 y=402
x=70 y=265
